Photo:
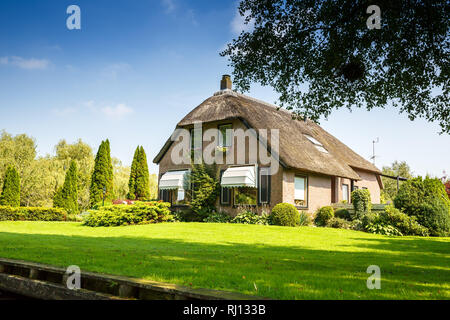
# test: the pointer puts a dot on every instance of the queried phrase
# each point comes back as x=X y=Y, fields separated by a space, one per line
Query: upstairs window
x=225 y=135
x=316 y=143
x=196 y=142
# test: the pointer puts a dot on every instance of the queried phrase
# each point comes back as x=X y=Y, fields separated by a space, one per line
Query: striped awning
x=239 y=177
x=173 y=180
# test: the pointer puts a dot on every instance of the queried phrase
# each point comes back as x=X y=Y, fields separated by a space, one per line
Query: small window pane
x=300 y=192
x=345 y=192
x=225 y=194
x=225 y=135
x=264 y=185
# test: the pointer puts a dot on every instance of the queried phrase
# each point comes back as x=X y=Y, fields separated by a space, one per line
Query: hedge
x=32 y=214
x=121 y=215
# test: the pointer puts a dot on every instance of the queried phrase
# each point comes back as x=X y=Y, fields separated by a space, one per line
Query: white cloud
x=27 y=64
x=238 y=23
x=112 y=71
x=169 y=5
x=118 y=111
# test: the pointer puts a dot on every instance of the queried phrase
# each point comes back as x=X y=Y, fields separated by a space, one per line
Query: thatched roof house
x=309 y=157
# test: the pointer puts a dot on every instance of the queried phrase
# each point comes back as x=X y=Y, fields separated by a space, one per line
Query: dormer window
x=316 y=144
x=225 y=135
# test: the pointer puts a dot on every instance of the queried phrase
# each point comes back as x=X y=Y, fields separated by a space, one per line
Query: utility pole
x=373 y=149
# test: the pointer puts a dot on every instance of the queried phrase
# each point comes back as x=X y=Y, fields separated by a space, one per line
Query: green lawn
x=276 y=262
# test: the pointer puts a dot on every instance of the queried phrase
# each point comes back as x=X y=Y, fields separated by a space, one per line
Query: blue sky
x=137 y=67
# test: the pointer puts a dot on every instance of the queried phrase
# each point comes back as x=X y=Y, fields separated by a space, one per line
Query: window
x=245 y=196
x=364 y=188
x=225 y=135
x=164 y=195
x=345 y=192
x=225 y=193
x=355 y=187
x=264 y=185
x=316 y=144
x=301 y=191
x=196 y=140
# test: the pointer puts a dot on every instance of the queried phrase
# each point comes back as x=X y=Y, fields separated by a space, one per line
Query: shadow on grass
x=410 y=268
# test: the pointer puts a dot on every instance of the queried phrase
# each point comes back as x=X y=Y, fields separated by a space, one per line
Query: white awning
x=239 y=177
x=173 y=180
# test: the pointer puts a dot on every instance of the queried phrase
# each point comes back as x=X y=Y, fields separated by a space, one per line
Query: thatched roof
x=295 y=151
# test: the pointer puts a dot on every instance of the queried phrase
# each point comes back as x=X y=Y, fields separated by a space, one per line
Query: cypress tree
x=67 y=196
x=139 y=183
x=132 y=182
x=102 y=176
x=11 y=188
x=142 y=178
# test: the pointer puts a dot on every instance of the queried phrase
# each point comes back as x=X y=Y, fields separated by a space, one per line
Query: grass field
x=275 y=262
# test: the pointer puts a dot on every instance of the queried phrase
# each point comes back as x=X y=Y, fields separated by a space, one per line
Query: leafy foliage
x=361 y=202
x=379 y=227
x=340 y=223
x=402 y=222
x=32 y=214
x=121 y=215
x=218 y=217
x=323 y=215
x=307 y=50
x=343 y=214
x=67 y=196
x=285 y=214
x=397 y=168
x=205 y=187
x=246 y=216
x=10 y=195
x=138 y=184
x=427 y=200
x=102 y=177
x=304 y=219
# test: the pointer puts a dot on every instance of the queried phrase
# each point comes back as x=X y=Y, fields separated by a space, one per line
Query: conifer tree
x=132 y=182
x=10 y=195
x=139 y=185
x=102 y=176
x=67 y=196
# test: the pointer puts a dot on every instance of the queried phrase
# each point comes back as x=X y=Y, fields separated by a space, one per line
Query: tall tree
x=102 y=176
x=397 y=168
x=321 y=55
x=67 y=196
x=10 y=195
x=139 y=182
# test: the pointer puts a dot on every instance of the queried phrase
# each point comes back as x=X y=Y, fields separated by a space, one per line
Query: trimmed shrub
x=427 y=200
x=285 y=214
x=120 y=215
x=405 y=224
x=361 y=202
x=32 y=214
x=323 y=215
x=218 y=217
x=338 y=223
x=67 y=196
x=343 y=214
x=305 y=219
x=10 y=195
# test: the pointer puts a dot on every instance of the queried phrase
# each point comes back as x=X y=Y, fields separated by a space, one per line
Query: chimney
x=225 y=83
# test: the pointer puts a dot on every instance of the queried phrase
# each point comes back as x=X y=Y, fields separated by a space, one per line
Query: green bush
x=285 y=214
x=305 y=219
x=218 y=217
x=402 y=222
x=361 y=202
x=338 y=223
x=343 y=214
x=120 y=215
x=323 y=215
x=427 y=200
x=32 y=214
x=249 y=217
x=379 y=227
